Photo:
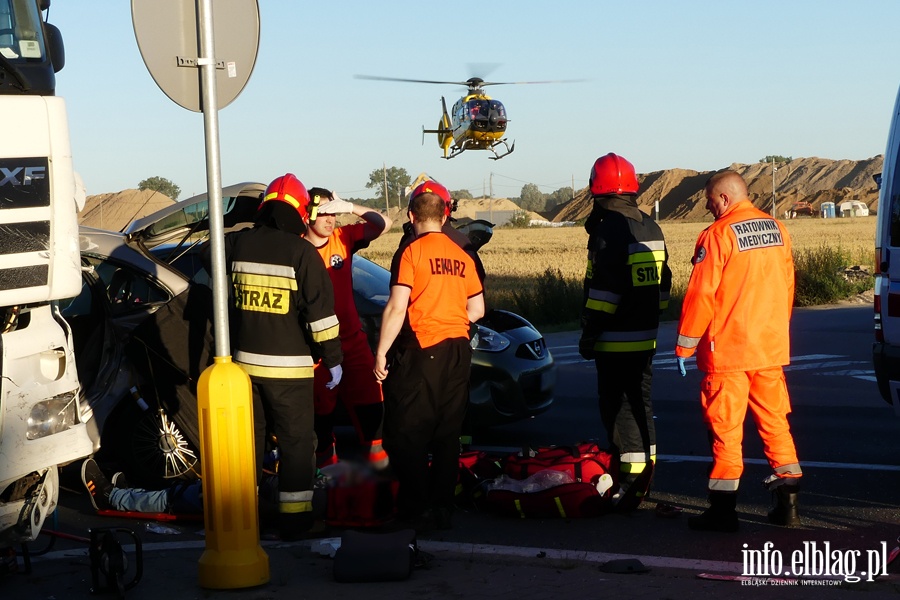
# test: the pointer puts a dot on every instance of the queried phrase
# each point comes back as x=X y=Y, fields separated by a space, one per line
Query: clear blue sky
x=689 y=84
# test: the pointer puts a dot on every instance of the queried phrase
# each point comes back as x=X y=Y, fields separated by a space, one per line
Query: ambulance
x=886 y=349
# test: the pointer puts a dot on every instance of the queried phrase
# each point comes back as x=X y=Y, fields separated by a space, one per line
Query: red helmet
x=288 y=188
x=612 y=174
x=433 y=187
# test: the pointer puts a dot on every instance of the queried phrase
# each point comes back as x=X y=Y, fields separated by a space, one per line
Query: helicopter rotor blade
x=377 y=78
x=486 y=83
x=481 y=70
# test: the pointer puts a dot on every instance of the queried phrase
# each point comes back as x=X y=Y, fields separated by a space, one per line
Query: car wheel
x=148 y=446
x=159 y=442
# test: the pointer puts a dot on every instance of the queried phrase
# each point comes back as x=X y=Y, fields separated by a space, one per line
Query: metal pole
x=491 y=202
x=207 y=65
x=233 y=557
x=774 y=168
x=387 y=206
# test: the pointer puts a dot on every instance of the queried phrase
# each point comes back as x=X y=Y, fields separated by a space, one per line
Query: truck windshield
x=21 y=36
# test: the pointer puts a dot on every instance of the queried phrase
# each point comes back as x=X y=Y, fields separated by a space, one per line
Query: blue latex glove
x=336 y=373
x=681 y=368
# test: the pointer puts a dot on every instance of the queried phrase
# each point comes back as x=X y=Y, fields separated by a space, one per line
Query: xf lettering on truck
x=29 y=175
x=25 y=182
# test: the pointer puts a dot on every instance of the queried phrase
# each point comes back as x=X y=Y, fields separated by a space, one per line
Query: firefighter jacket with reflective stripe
x=737 y=307
x=283 y=318
x=627 y=282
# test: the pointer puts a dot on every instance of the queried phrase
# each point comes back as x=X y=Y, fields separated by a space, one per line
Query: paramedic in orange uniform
x=426 y=383
x=735 y=316
x=359 y=390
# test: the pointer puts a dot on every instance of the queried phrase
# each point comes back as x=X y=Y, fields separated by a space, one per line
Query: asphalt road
x=847 y=439
x=846 y=436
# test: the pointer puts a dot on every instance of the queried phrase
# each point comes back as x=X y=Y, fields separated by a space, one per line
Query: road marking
x=581 y=555
x=675 y=458
x=463 y=549
x=803 y=463
x=826 y=364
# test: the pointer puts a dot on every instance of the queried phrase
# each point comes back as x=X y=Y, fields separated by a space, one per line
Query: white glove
x=335 y=207
x=336 y=373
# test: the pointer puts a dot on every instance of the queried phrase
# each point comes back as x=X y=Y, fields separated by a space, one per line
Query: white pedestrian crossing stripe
x=834 y=365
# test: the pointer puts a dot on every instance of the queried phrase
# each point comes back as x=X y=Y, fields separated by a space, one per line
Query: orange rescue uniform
x=436 y=270
x=736 y=316
x=427 y=387
x=359 y=390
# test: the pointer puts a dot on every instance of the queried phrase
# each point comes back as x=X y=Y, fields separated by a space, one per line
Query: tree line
x=394 y=181
x=397 y=179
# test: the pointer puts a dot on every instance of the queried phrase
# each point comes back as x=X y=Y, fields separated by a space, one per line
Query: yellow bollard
x=233 y=557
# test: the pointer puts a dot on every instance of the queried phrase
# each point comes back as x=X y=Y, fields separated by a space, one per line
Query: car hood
x=182 y=220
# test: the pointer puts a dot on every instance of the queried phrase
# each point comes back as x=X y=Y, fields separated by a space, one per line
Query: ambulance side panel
x=886 y=349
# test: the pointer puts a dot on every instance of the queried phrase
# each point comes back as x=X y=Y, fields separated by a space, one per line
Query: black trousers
x=623 y=387
x=285 y=408
x=425 y=398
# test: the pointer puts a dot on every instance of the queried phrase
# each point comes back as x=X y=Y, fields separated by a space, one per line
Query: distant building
x=854 y=208
x=497 y=217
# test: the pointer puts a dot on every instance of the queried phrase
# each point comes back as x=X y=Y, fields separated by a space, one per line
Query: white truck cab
x=42 y=411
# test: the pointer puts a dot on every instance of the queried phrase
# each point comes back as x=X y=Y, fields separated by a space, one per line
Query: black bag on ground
x=367 y=556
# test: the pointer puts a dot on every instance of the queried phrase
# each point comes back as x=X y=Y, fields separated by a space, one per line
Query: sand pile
x=114 y=211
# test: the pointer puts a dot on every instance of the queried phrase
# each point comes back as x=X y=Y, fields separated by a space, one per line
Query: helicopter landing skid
x=457 y=150
x=509 y=149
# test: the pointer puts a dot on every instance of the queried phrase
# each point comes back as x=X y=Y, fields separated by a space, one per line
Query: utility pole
x=387 y=206
x=491 y=202
x=774 y=168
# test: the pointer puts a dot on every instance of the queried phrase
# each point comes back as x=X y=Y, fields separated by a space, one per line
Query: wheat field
x=515 y=256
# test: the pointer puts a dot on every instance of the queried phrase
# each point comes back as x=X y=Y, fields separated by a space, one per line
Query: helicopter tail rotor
x=444 y=130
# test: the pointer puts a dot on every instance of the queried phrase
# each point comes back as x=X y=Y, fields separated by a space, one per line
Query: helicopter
x=477 y=121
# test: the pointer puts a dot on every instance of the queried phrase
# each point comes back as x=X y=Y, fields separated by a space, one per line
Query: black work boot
x=634 y=488
x=787 y=503
x=294 y=526
x=720 y=516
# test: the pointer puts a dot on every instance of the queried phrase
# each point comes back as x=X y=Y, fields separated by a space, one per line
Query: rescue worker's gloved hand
x=586 y=347
x=336 y=373
x=681 y=368
x=336 y=207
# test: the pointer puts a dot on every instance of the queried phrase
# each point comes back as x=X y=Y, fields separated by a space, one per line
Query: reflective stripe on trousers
x=725 y=398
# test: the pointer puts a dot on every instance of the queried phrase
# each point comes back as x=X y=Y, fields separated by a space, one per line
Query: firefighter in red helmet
x=426 y=369
x=460 y=239
x=626 y=286
x=283 y=315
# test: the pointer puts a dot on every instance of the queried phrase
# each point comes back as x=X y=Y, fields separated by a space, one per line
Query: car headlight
x=488 y=340
x=51 y=416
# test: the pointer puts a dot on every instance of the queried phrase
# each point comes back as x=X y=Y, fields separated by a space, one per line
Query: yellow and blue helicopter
x=477 y=121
